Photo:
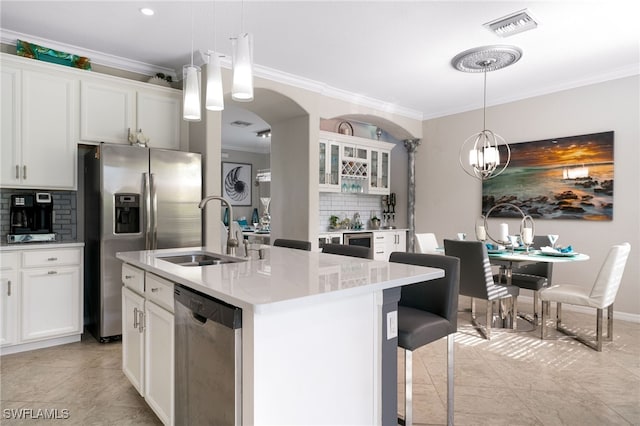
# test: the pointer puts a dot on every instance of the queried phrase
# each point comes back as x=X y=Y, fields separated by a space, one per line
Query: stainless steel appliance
x=136 y=198
x=364 y=239
x=31 y=218
x=208 y=360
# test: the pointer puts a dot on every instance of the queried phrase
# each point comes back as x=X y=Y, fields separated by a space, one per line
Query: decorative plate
x=559 y=254
x=345 y=128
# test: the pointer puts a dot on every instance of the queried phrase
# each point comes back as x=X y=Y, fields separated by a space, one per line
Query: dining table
x=507 y=258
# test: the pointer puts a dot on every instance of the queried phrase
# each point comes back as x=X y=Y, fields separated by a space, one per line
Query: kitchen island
x=319 y=331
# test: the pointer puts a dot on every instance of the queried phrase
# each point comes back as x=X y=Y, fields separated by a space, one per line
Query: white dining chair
x=426 y=243
x=600 y=296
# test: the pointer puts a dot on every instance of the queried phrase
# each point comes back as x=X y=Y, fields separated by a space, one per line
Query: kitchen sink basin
x=199 y=259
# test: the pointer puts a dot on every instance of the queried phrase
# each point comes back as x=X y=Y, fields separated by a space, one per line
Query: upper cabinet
x=39 y=126
x=353 y=164
x=329 y=168
x=110 y=109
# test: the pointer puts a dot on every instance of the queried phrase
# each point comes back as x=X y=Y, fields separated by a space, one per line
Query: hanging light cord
x=484 y=104
x=192 y=21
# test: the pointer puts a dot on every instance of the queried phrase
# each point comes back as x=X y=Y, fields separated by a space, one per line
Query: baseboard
x=617 y=315
x=22 y=347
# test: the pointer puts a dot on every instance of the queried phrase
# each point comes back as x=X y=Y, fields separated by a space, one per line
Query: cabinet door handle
x=52 y=259
x=141 y=321
x=8 y=288
x=52 y=272
x=17 y=171
x=154 y=290
x=24 y=172
x=135 y=317
x=128 y=277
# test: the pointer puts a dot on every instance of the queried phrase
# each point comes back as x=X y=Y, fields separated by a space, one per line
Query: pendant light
x=191 y=87
x=215 y=94
x=242 y=48
x=479 y=154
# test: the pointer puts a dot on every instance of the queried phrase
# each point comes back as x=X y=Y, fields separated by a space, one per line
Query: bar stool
x=427 y=312
x=347 y=250
x=294 y=244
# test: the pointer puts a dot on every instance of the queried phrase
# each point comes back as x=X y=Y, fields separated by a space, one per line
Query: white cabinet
x=159 y=361
x=110 y=107
x=133 y=338
x=9 y=292
x=380 y=168
x=386 y=242
x=148 y=339
x=39 y=126
x=50 y=300
x=329 y=167
x=353 y=164
x=41 y=298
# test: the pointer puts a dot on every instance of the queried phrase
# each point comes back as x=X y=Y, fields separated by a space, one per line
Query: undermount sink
x=199 y=259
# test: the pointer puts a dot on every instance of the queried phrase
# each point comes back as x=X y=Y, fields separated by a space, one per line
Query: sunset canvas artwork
x=562 y=178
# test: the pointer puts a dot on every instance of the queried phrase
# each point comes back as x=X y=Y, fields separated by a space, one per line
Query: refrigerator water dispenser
x=127 y=213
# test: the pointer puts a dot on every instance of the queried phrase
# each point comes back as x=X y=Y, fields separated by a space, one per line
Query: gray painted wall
x=448 y=201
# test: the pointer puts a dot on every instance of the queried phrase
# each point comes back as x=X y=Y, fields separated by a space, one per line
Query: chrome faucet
x=232 y=243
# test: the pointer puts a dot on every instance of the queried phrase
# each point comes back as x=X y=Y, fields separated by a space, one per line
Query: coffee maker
x=31 y=218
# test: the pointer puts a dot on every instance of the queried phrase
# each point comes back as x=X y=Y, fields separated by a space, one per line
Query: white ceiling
x=394 y=53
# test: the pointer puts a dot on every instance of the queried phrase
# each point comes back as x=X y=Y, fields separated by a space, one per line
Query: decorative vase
x=255 y=217
x=225 y=218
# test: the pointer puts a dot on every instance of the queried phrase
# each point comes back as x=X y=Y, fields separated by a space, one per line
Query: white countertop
x=286 y=278
x=40 y=246
x=350 y=231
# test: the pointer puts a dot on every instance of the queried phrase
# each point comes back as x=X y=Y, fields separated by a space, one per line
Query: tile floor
x=514 y=379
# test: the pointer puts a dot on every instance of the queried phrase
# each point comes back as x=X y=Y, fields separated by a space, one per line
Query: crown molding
x=11 y=37
x=99 y=58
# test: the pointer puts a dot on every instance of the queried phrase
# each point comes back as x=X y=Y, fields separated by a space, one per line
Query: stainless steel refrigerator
x=136 y=198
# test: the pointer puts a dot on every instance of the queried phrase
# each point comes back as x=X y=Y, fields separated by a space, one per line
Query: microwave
x=363 y=239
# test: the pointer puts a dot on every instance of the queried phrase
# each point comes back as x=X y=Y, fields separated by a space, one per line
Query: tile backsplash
x=64 y=209
x=346 y=205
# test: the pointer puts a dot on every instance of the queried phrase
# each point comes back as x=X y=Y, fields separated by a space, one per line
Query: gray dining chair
x=347 y=250
x=477 y=282
x=428 y=311
x=600 y=296
x=533 y=276
x=294 y=244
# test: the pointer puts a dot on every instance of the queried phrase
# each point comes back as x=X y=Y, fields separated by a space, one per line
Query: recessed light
x=146 y=11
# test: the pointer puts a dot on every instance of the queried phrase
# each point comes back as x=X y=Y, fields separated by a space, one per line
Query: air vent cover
x=240 y=123
x=511 y=24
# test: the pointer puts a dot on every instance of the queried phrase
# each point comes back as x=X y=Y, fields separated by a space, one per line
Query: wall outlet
x=392 y=325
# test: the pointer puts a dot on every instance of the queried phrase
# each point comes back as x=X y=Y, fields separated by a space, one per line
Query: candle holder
x=507 y=241
x=527 y=231
x=481 y=230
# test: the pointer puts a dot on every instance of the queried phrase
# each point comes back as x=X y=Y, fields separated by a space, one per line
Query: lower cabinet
x=386 y=242
x=9 y=299
x=148 y=342
x=41 y=298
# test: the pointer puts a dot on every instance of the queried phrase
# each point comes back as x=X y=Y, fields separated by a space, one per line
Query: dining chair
x=533 y=276
x=348 y=250
x=426 y=243
x=477 y=282
x=294 y=244
x=236 y=231
x=601 y=295
x=428 y=311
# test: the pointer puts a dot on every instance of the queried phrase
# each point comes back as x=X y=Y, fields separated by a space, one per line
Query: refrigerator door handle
x=154 y=212
x=147 y=205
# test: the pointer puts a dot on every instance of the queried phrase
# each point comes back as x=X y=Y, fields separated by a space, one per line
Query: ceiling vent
x=240 y=123
x=513 y=23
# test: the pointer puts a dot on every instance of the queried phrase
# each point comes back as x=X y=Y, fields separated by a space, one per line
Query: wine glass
x=552 y=239
x=513 y=239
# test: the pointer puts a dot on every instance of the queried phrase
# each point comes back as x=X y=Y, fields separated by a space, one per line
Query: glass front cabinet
x=329 y=167
x=380 y=164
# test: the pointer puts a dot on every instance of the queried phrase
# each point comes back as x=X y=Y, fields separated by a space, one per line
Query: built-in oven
x=364 y=239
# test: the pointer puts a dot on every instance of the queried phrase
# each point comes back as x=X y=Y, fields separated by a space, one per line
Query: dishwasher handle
x=208 y=308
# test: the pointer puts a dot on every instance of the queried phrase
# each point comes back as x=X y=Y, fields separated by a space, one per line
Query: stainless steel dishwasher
x=208 y=360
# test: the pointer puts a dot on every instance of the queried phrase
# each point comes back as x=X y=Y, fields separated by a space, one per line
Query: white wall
x=448 y=201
